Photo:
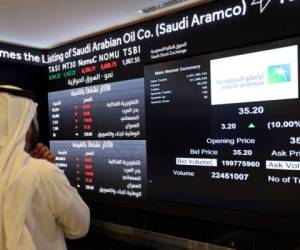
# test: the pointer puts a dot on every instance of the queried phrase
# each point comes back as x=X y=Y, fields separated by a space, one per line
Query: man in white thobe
x=38 y=206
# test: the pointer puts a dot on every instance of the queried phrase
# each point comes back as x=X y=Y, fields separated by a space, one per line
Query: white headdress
x=17 y=185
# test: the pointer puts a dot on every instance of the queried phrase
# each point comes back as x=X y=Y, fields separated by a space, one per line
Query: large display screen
x=194 y=114
x=219 y=130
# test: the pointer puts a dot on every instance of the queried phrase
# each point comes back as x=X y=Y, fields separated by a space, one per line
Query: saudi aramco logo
x=279 y=73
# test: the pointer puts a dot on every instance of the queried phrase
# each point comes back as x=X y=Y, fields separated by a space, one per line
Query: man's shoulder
x=43 y=168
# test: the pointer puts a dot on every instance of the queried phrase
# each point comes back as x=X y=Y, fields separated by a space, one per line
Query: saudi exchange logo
x=263 y=4
x=279 y=73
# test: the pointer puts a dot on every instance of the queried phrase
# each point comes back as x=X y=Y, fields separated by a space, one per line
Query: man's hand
x=42 y=152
